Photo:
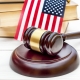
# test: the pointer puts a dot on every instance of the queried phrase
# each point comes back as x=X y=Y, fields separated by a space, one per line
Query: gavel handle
x=75 y=35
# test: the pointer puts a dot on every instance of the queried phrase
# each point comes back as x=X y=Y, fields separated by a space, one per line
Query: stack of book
x=10 y=11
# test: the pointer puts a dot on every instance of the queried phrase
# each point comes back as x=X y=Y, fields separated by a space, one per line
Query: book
x=64 y=26
x=5 y=7
x=12 y=5
x=7 y=31
x=10 y=31
x=11 y=0
x=20 y=0
x=9 y=19
x=70 y=11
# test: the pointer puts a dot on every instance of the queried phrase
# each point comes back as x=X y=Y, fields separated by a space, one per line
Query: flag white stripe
x=50 y=22
x=32 y=13
x=57 y=24
x=24 y=20
x=44 y=21
x=39 y=13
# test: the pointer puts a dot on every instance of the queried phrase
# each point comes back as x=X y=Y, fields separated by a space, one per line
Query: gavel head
x=43 y=41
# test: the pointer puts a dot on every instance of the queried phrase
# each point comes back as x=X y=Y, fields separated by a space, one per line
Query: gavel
x=46 y=42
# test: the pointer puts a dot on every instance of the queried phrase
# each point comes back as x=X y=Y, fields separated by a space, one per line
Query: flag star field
x=54 y=7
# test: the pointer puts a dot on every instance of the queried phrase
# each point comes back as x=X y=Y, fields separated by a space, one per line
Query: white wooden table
x=7 y=45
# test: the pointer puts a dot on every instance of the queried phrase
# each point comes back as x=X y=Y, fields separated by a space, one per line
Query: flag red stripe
x=54 y=23
x=41 y=20
x=47 y=22
x=36 y=12
x=20 y=20
x=60 y=25
x=28 y=16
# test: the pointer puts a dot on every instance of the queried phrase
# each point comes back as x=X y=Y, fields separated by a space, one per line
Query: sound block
x=31 y=63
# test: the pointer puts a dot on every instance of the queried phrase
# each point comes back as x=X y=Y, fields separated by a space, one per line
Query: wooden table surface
x=7 y=45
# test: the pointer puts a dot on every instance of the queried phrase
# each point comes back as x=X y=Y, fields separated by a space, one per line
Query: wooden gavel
x=46 y=42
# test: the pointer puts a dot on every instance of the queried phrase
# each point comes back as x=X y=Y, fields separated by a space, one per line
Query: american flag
x=44 y=14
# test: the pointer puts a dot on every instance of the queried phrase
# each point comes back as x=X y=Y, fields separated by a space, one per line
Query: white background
x=7 y=45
